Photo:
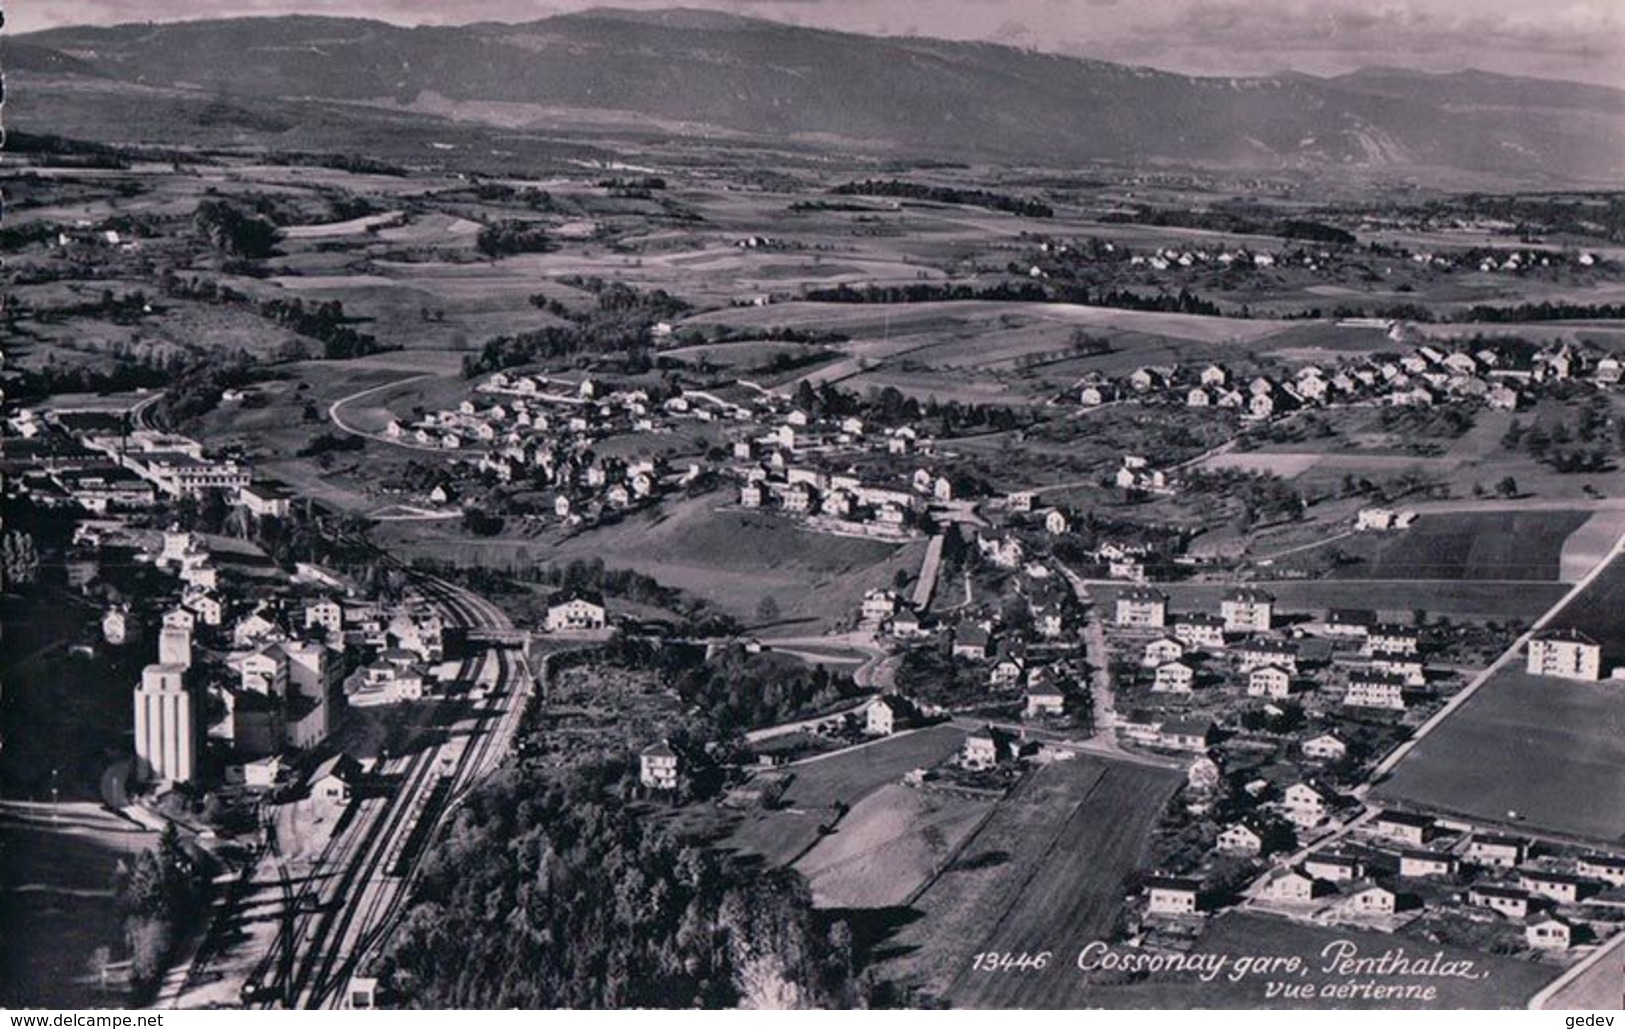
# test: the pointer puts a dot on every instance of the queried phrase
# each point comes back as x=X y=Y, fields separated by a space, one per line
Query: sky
x=1583 y=40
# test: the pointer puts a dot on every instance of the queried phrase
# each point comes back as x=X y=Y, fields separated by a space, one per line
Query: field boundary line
x=1455 y=703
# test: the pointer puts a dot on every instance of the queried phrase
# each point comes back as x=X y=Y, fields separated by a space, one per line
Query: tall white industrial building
x=167 y=730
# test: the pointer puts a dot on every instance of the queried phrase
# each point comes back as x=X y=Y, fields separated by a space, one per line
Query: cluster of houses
x=840 y=502
x=1397 y=866
x=1385 y=670
x=536 y=430
x=1501 y=376
x=258 y=681
x=1319 y=259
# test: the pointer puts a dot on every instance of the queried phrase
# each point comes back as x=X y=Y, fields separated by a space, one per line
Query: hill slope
x=769 y=80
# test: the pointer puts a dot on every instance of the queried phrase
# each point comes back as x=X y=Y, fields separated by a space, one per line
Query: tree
x=767 y=610
x=19 y=561
x=1507 y=487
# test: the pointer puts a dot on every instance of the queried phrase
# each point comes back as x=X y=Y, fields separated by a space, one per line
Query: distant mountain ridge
x=963 y=99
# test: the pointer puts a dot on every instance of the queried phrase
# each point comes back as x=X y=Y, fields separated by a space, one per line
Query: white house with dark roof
x=1161 y=650
x=1565 y=654
x=1246 y=609
x=658 y=767
x=1142 y=608
x=1492 y=850
x=1173 y=896
x=1269 y=681
x=1325 y=747
x=1404 y=827
x=1174 y=677
x=1200 y=630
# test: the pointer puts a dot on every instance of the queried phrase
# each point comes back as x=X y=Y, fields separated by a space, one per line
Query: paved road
x=337 y=405
x=929 y=567
x=1094 y=636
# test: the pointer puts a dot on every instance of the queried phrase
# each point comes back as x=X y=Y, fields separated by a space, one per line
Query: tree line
x=550 y=890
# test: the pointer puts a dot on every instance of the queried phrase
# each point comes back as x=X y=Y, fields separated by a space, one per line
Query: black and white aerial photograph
x=832 y=504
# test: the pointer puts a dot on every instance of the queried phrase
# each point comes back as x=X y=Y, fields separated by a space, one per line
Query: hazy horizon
x=1582 y=41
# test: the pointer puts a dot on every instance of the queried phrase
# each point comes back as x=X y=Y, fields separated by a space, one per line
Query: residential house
x=1372 y=901
x=1392 y=639
x=1240 y=840
x=1404 y=827
x=335 y=779
x=971 y=642
x=1247 y=610
x=1334 y=868
x=1142 y=608
x=1505 y=900
x=1258 y=653
x=1549 y=933
x=1269 y=681
x=1348 y=622
x=1190 y=735
x=1492 y=850
x=1173 y=897
x=906 y=625
x=888 y=713
x=1427 y=864
x=878 y=605
x=1174 y=677
x=1287 y=886
x=1609 y=868
x=1555 y=886
x=576 y=612
x=984 y=750
x=1162 y=650
x=1044 y=700
x=1305 y=805
x=1325 y=747
x=1566 y=654
x=1200 y=630
x=1375 y=690
x=1006 y=672
x=658 y=767
x=1409 y=670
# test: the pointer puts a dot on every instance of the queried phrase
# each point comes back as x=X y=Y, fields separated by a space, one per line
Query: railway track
x=329 y=939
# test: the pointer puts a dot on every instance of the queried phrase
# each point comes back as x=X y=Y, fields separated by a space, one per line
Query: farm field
x=1505 y=982
x=907 y=319
x=727 y=557
x=56 y=885
x=1573 y=732
x=1046 y=872
x=888 y=845
x=1455 y=599
x=846 y=777
x=1488 y=545
x=1599 y=611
